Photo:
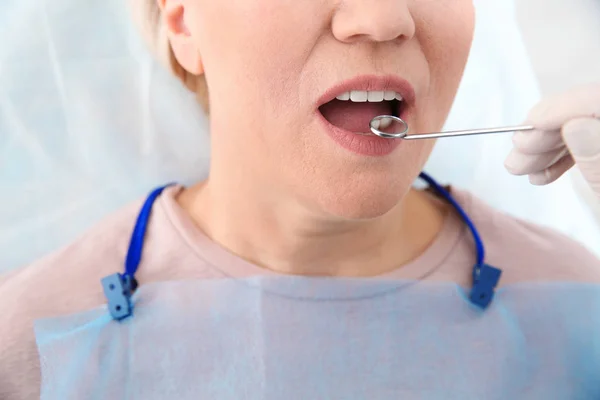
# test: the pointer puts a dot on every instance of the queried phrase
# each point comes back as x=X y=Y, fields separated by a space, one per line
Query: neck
x=289 y=239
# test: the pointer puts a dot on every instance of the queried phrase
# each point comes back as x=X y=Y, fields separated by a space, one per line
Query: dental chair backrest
x=86 y=122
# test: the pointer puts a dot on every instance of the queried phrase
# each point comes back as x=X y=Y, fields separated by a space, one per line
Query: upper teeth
x=362 y=96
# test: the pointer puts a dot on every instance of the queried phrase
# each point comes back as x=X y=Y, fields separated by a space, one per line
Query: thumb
x=555 y=111
x=582 y=137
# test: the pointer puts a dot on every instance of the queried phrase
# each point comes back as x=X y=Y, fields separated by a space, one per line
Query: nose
x=372 y=20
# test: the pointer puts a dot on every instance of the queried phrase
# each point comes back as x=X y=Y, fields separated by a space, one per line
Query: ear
x=182 y=44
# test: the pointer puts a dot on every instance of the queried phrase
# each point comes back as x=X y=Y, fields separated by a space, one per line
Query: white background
x=563 y=53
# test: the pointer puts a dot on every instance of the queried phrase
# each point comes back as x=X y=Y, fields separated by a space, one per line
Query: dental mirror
x=392 y=127
x=389 y=127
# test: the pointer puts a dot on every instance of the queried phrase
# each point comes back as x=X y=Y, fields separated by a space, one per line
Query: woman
x=293 y=192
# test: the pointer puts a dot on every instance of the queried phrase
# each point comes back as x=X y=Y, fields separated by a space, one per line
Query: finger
x=551 y=174
x=582 y=136
x=537 y=142
x=553 y=112
x=524 y=164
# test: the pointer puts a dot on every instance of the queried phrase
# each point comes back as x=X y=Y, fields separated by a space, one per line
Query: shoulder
x=65 y=282
x=44 y=285
x=528 y=252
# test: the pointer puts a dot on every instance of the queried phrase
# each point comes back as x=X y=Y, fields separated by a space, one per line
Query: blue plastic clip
x=118 y=290
x=485 y=280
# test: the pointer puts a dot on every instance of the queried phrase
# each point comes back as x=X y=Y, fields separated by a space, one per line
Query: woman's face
x=271 y=64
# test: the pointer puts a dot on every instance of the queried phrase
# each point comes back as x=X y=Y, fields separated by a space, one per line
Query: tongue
x=354 y=117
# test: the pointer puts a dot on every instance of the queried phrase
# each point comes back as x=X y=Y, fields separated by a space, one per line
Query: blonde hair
x=148 y=19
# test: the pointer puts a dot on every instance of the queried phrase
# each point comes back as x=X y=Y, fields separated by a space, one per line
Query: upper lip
x=371 y=83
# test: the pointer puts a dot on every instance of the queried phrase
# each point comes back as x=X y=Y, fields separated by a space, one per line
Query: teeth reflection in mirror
x=381 y=123
x=385 y=123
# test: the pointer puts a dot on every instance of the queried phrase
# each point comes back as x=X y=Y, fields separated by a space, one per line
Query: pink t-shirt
x=175 y=249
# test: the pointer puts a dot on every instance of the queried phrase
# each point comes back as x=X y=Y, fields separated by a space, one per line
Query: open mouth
x=354 y=110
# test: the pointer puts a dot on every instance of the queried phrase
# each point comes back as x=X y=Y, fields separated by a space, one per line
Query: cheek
x=255 y=49
x=445 y=35
x=446 y=30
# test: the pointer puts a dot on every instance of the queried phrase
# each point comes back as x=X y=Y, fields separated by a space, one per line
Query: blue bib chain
x=485 y=277
x=119 y=288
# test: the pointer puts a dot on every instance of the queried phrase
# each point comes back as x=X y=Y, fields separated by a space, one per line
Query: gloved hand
x=567 y=133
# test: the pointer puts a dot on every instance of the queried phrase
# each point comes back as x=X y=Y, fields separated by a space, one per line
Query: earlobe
x=180 y=37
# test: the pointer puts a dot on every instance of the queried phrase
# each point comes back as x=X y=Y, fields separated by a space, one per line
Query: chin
x=362 y=203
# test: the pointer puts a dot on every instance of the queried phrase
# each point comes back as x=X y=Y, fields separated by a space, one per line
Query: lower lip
x=366 y=145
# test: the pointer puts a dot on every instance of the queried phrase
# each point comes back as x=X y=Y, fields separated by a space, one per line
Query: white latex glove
x=567 y=133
